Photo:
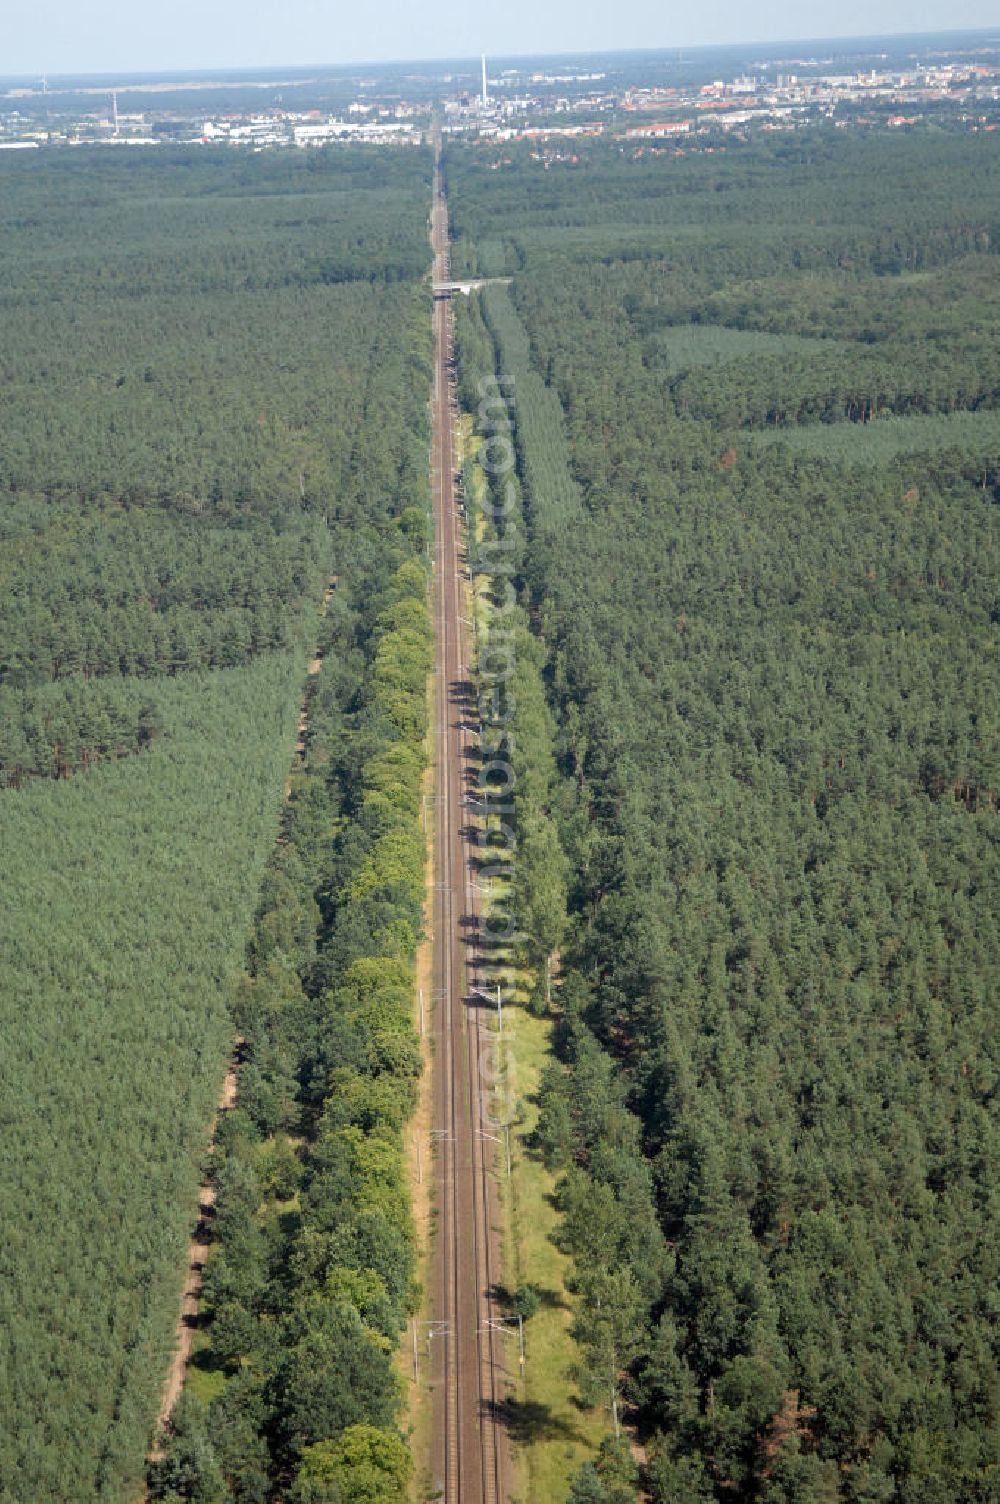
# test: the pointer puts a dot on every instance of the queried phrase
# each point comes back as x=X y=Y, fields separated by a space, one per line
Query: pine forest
x=746 y=563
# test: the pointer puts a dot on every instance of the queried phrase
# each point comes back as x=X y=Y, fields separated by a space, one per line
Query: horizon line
x=208 y=70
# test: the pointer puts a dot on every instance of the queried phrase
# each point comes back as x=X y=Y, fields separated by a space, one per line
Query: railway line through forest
x=470 y=1463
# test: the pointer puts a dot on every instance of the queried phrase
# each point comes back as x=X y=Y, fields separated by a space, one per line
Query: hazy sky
x=55 y=36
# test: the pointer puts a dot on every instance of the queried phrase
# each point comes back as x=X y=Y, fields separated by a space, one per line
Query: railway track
x=469 y=1455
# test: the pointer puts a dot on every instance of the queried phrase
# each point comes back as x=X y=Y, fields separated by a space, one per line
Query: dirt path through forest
x=187 y=1321
x=190 y=1296
x=315 y=665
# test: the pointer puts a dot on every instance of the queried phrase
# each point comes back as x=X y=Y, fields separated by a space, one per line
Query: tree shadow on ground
x=528 y=1421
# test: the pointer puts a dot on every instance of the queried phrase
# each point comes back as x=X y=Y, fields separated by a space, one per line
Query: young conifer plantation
x=754 y=399
x=213 y=401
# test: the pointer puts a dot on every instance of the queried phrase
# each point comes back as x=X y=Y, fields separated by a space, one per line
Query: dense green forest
x=772 y=661
x=100 y=603
x=311 y=1280
x=213 y=395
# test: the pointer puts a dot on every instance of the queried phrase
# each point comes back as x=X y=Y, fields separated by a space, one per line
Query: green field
x=875 y=443
x=687 y=345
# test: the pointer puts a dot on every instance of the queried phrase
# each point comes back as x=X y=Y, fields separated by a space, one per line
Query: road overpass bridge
x=468 y=285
